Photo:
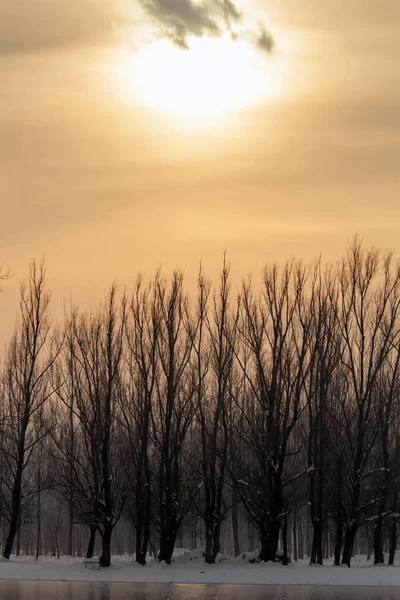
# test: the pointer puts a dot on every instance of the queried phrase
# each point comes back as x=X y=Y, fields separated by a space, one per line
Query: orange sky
x=104 y=185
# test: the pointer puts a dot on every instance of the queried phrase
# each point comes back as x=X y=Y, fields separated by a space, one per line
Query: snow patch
x=229 y=571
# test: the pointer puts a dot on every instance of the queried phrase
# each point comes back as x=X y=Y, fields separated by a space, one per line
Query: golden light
x=214 y=77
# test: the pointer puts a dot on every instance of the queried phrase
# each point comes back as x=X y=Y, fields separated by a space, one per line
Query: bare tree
x=280 y=406
x=368 y=317
x=75 y=475
x=214 y=397
x=275 y=373
x=100 y=343
x=325 y=349
x=96 y=456
x=173 y=414
x=394 y=483
x=137 y=405
x=27 y=367
x=388 y=395
x=65 y=377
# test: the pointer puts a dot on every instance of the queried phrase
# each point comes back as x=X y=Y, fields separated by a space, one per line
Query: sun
x=214 y=77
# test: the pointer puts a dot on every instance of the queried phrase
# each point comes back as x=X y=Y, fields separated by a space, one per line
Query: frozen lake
x=68 y=590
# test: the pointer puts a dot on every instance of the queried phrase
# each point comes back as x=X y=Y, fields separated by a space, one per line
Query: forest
x=264 y=415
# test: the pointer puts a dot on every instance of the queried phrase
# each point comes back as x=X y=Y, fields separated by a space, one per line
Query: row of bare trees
x=158 y=407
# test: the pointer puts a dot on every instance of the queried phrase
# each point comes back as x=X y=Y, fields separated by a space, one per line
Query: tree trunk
x=264 y=548
x=212 y=542
x=251 y=536
x=378 y=542
x=71 y=483
x=143 y=507
x=338 y=541
x=275 y=530
x=142 y=541
x=105 y=559
x=348 y=545
x=138 y=544
x=285 y=560
x=39 y=526
x=316 y=549
x=339 y=512
x=16 y=505
x=71 y=526
x=235 y=531
x=326 y=544
x=11 y=533
x=10 y=541
x=393 y=531
x=295 y=553
x=269 y=543
x=167 y=545
x=208 y=551
x=92 y=539
x=38 y=540
x=56 y=533
x=369 y=551
x=18 y=548
x=146 y=538
x=393 y=535
x=146 y=533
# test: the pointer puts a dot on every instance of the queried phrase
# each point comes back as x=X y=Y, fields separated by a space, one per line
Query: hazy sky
x=97 y=175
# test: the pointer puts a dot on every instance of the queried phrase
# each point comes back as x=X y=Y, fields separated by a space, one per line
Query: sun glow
x=211 y=79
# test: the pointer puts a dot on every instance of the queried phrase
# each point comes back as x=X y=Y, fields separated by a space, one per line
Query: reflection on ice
x=68 y=590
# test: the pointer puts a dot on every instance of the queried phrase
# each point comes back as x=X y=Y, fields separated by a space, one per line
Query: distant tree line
x=160 y=409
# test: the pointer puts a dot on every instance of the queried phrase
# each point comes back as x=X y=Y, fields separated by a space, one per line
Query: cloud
x=177 y=20
x=35 y=25
x=265 y=41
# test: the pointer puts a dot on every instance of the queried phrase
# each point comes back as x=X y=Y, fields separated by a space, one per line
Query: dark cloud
x=31 y=25
x=265 y=41
x=177 y=20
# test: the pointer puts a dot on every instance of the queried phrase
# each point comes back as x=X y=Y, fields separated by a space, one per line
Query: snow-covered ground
x=190 y=568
